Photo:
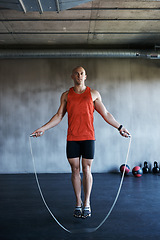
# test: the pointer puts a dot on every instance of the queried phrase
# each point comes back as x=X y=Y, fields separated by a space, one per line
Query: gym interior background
x=117 y=42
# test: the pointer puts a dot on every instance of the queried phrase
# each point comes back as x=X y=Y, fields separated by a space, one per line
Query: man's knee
x=75 y=170
x=86 y=170
x=86 y=166
x=75 y=165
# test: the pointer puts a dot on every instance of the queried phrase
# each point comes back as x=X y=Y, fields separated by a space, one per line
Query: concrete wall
x=30 y=90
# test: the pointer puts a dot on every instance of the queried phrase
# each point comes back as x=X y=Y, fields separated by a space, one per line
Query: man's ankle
x=79 y=203
x=86 y=204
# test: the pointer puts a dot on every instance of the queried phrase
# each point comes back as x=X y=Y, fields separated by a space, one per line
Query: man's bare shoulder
x=65 y=95
x=93 y=91
x=95 y=95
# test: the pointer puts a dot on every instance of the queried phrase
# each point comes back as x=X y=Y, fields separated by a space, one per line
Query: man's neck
x=79 y=88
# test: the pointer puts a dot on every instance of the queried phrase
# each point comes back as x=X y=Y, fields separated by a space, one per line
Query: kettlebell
x=155 y=168
x=145 y=168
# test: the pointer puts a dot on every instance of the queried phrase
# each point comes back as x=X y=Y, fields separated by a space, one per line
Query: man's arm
x=56 y=119
x=107 y=116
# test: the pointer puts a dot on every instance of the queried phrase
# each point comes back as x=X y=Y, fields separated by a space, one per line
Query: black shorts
x=81 y=148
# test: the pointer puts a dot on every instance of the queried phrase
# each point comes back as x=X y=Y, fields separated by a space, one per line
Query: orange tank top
x=80 y=110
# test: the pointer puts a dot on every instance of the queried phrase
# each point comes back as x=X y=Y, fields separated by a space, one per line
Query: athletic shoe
x=86 y=212
x=77 y=212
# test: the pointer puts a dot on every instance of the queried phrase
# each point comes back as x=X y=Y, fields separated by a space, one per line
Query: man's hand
x=37 y=133
x=124 y=132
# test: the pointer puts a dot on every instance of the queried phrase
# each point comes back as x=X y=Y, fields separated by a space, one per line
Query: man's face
x=79 y=75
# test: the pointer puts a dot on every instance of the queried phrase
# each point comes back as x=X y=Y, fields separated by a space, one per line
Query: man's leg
x=76 y=178
x=87 y=180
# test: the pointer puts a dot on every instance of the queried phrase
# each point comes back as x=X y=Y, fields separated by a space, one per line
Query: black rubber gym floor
x=23 y=215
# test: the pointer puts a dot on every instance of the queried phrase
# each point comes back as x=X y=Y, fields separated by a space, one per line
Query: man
x=80 y=102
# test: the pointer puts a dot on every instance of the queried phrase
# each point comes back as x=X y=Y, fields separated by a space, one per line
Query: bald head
x=78 y=68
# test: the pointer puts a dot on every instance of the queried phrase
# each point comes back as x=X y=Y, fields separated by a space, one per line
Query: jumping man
x=79 y=102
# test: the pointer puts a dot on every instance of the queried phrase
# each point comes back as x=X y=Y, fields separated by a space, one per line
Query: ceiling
x=60 y=23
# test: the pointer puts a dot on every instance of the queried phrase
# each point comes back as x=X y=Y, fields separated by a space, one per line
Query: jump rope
x=89 y=230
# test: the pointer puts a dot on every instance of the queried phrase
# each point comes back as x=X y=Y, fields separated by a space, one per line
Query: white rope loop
x=89 y=230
